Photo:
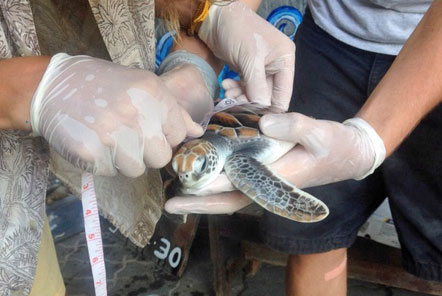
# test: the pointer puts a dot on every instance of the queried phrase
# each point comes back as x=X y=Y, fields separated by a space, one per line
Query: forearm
x=186 y=9
x=192 y=82
x=19 y=78
x=412 y=86
x=194 y=45
x=188 y=88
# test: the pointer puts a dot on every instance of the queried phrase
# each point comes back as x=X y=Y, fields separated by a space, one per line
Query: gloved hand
x=105 y=118
x=262 y=55
x=192 y=81
x=327 y=152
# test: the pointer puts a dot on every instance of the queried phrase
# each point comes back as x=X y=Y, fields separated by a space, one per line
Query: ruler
x=93 y=233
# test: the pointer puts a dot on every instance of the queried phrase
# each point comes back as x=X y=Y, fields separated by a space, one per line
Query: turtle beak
x=185 y=177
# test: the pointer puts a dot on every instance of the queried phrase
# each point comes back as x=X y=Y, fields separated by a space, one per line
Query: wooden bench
x=367 y=261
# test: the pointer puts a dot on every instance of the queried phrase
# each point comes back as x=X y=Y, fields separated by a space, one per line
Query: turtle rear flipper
x=271 y=192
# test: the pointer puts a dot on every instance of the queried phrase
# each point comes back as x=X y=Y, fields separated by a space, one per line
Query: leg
x=317 y=274
x=332 y=81
x=221 y=284
x=48 y=279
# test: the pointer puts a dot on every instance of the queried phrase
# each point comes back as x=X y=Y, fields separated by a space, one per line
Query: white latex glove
x=327 y=152
x=105 y=118
x=192 y=81
x=264 y=57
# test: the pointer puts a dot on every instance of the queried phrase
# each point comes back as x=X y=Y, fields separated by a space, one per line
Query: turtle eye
x=199 y=165
x=204 y=164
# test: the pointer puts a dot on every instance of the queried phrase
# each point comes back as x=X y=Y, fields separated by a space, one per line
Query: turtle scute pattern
x=240 y=132
x=260 y=184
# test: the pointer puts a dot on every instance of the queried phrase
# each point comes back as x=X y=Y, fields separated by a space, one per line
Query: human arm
x=19 y=77
x=412 y=86
x=185 y=11
x=183 y=79
x=331 y=151
x=262 y=55
x=190 y=73
x=98 y=115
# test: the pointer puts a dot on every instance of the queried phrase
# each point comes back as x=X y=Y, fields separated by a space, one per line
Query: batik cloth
x=133 y=205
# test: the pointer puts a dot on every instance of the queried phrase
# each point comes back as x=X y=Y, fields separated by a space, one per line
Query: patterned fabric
x=23 y=168
x=23 y=175
x=18 y=31
x=128 y=30
x=133 y=205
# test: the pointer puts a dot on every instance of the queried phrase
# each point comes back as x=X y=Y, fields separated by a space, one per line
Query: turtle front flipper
x=271 y=192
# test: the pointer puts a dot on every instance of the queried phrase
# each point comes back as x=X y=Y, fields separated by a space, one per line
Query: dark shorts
x=332 y=81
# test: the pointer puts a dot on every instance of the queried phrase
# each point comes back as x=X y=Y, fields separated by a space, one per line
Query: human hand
x=105 y=118
x=191 y=81
x=327 y=152
x=262 y=55
x=219 y=197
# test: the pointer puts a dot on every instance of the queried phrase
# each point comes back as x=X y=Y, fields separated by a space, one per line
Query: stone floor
x=130 y=272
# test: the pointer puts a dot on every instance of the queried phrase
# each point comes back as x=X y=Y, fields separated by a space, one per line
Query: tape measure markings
x=93 y=233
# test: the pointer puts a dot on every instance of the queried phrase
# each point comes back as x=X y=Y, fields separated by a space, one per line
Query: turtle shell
x=235 y=125
x=243 y=159
x=238 y=122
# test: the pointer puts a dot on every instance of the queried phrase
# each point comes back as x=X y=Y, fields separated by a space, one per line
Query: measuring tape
x=93 y=233
x=92 y=218
x=224 y=104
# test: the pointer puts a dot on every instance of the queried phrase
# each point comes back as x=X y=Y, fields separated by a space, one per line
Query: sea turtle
x=233 y=143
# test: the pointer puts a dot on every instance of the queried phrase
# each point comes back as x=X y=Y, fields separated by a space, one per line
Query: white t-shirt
x=374 y=25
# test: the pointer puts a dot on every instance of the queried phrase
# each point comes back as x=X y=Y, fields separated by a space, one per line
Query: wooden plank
x=221 y=284
x=391 y=276
x=370 y=268
x=171 y=243
x=376 y=263
x=252 y=268
x=369 y=250
x=367 y=260
x=255 y=251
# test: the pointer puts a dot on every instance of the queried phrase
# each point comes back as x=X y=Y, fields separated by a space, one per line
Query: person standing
x=375 y=67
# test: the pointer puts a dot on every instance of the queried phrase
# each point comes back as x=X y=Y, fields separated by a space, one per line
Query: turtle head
x=196 y=164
